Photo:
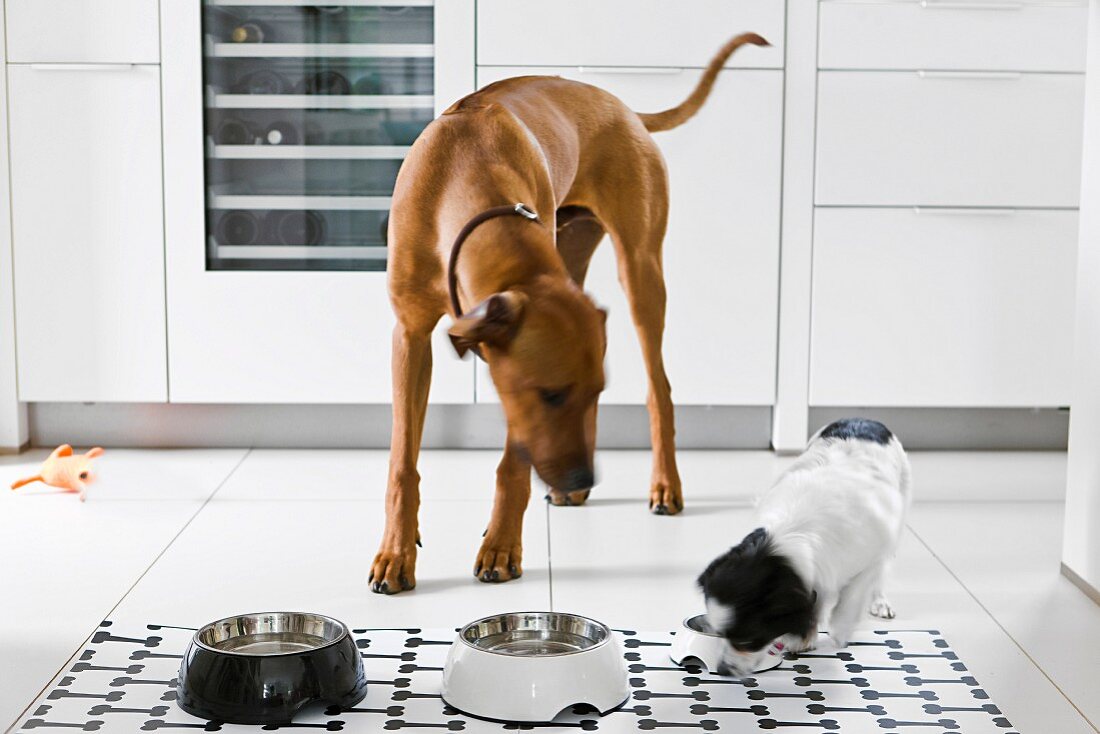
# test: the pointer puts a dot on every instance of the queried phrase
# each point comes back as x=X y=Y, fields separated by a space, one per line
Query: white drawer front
x=88 y=233
x=996 y=35
x=620 y=33
x=952 y=308
x=83 y=31
x=945 y=139
x=721 y=252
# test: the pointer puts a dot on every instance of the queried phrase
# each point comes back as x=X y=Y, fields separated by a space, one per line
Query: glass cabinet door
x=309 y=111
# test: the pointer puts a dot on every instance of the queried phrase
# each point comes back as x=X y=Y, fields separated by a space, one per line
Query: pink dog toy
x=65 y=471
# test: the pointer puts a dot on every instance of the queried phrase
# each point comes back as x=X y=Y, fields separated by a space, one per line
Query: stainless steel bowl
x=698 y=640
x=263 y=668
x=528 y=666
x=699 y=624
x=535 y=634
x=275 y=633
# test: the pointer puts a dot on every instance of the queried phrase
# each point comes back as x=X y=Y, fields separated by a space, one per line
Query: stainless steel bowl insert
x=272 y=633
x=535 y=634
x=699 y=624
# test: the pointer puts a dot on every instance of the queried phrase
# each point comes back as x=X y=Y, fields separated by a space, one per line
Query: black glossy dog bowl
x=263 y=668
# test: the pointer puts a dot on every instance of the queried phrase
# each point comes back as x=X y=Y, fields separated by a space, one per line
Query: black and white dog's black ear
x=755 y=539
x=751 y=545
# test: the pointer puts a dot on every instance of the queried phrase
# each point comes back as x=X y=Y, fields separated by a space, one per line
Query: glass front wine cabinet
x=309 y=111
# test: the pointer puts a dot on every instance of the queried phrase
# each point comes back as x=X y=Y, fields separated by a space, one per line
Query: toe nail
x=385 y=587
x=496 y=575
x=512 y=570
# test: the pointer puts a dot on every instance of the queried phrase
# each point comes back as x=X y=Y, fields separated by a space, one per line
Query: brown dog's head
x=544 y=343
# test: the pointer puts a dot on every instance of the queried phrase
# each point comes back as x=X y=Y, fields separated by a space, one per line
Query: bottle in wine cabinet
x=232 y=131
x=262 y=81
x=237 y=228
x=294 y=227
x=282 y=133
x=251 y=31
x=324 y=82
x=368 y=84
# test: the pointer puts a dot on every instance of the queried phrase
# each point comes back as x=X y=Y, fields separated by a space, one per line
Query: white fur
x=719 y=616
x=838 y=513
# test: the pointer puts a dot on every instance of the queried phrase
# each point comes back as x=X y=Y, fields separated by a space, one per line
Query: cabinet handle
x=629 y=70
x=951 y=5
x=965 y=211
x=82 y=67
x=993 y=75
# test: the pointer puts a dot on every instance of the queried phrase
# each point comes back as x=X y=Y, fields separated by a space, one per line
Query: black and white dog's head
x=754 y=597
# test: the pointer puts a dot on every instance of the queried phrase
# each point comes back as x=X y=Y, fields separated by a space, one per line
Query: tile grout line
x=186 y=525
x=997 y=622
x=15 y=724
x=549 y=558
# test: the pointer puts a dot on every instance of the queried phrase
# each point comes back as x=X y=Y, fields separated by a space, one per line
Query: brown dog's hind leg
x=501 y=555
x=638 y=237
x=394 y=567
x=645 y=287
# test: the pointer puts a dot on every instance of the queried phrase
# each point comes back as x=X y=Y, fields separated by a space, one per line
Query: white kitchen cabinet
x=625 y=33
x=948 y=139
x=88 y=232
x=942 y=308
x=83 y=31
x=300 y=313
x=721 y=252
x=1018 y=35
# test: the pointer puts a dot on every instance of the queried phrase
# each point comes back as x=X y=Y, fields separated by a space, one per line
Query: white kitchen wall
x=13 y=414
x=924 y=155
x=1081 y=552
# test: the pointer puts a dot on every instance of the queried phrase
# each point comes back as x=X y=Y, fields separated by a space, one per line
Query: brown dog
x=586 y=164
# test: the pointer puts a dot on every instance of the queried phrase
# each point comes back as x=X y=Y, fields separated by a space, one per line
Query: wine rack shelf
x=309 y=112
x=309 y=152
x=322 y=50
x=337 y=203
x=322 y=102
x=306 y=252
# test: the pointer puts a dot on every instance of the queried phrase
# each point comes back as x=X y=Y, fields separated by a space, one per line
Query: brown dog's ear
x=494 y=321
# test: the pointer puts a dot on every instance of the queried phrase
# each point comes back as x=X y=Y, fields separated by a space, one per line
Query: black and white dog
x=827 y=531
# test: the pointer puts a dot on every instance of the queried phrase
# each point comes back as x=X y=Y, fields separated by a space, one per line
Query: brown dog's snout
x=581 y=477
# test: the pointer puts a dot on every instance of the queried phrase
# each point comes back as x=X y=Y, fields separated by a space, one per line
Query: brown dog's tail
x=678 y=115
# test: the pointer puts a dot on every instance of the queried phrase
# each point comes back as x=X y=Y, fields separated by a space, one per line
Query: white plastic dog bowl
x=528 y=666
x=697 y=640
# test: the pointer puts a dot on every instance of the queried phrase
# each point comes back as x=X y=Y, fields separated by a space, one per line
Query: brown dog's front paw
x=393 y=571
x=498 y=562
x=567 y=499
x=665 y=498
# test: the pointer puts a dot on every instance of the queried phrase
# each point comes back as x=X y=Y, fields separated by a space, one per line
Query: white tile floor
x=181 y=537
